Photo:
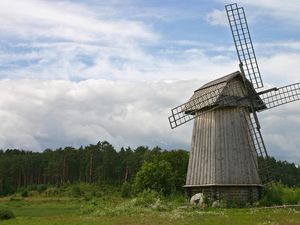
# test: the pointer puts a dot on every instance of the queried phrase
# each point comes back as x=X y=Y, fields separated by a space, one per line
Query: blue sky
x=76 y=72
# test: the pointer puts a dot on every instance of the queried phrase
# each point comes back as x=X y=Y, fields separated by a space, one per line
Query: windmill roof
x=223 y=91
x=220 y=80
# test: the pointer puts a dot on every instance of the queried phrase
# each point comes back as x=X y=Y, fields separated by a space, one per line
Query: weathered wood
x=229 y=193
x=222 y=150
x=222 y=154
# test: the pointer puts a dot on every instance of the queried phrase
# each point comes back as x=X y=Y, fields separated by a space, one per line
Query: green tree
x=157 y=176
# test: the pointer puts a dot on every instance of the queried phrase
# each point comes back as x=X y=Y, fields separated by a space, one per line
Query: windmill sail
x=244 y=47
x=186 y=112
x=207 y=98
x=214 y=95
x=260 y=148
x=282 y=95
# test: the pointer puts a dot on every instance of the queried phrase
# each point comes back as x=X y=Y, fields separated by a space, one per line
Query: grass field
x=65 y=211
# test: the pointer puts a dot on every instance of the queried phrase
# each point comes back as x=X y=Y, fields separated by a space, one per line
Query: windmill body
x=228 y=155
x=222 y=158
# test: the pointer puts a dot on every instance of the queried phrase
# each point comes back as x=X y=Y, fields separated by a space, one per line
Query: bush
x=24 y=193
x=76 y=192
x=52 y=192
x=278 y=194
x=146 y=198
x=291 y=196
x=31 y=187
x=6 y=214
x=125 y=190
x=41 y=187
x=157 y=176
x=272 y=195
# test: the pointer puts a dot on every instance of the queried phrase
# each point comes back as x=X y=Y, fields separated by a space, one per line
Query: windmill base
x=230 y=193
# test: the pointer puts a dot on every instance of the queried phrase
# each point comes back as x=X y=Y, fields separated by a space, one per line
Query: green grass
x=66 y=211
x=41 y=207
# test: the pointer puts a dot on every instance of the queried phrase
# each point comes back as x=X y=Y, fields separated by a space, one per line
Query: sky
x=77 y=72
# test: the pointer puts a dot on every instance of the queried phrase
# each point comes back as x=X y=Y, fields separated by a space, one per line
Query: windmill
x=227 y=145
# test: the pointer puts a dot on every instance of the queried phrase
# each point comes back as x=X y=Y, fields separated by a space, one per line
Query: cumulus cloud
x=280 y=129
x=39 y=114
x=71 y=75
x=281 y=68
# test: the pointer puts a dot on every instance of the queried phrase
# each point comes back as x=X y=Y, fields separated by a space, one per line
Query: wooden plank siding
x=222 y=151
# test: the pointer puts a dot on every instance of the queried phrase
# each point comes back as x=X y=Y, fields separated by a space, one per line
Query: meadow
x=93 y=205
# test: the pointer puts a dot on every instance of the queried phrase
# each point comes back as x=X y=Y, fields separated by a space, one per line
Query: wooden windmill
x=226 y=140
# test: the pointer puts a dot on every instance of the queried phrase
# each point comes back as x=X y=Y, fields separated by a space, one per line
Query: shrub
x=6 y=214
x=33 y=193
x=157 y=176
x=278 y=194
x=146 y=198
x=41 y=188
x=52 y=192
x=76 y=192
x=31 y=187
x=180 y=199
x=125 y=190
x=24 y=193
x=291 y=196
x=272 y=195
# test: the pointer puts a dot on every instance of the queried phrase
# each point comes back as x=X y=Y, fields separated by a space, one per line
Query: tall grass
x=146 y=201
x=278 y=194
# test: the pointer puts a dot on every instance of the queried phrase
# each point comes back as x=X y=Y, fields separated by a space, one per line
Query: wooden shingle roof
x=228 y=90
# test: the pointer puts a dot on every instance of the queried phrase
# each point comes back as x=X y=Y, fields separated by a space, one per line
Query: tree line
x=102 y=164
x=99 y=163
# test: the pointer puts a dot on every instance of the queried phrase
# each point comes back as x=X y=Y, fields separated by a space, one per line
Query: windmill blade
x=260 y=156
x=186 y=112
x=243 y=44
x=207 y=100
x=282 y=95
x=261 y=151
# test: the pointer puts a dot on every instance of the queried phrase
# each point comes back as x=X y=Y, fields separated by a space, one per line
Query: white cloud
x=281 y=68
x=32 y=19
x=76 y=61
x=278 y=9
x=217 y=17
x=71 y=76
x=280 y=129
x=38 y=114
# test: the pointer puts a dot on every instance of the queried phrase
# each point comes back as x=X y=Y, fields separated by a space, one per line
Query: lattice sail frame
x=243 y=44
x=179 y=115
x=268 y=99
x=206 y=102
x=271 y=99
x=261 y=156
x=282 y=95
